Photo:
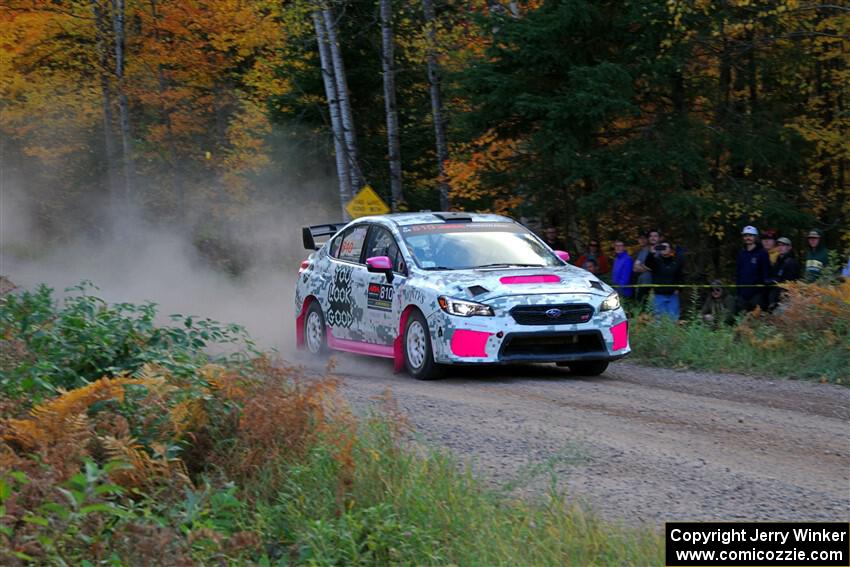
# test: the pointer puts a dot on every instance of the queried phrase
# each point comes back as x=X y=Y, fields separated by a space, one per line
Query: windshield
x=460 y=246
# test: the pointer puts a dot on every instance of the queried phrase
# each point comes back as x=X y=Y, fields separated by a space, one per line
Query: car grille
x=567 y=314
x=527 y=346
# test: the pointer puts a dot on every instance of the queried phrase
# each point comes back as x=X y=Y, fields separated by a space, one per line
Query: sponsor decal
x=414 y=295
x=379 y=296
x=339 y=297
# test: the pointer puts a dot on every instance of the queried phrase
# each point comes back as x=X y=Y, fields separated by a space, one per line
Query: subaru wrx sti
x=435 y=289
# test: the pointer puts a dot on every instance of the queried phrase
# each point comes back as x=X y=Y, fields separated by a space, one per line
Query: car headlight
x=463 y=308
x=611 y=302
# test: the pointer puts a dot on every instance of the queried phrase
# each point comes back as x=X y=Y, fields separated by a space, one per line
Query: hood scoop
x=538 y=279
x=477 y=290
x=596 y=284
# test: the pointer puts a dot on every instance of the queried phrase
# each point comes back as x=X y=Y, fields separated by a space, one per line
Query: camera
x=661 y=247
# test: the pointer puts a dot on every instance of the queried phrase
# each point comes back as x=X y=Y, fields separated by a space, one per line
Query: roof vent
x=454 y=217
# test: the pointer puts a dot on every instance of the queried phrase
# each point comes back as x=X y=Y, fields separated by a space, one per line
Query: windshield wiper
x=439 y=268
x=509 y=265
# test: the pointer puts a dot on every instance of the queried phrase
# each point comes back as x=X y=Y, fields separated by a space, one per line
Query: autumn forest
x=598 y=117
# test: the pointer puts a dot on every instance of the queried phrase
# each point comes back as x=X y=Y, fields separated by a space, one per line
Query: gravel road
x=637 y=442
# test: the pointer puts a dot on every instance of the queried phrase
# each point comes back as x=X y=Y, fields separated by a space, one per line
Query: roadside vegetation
x=807 y=337
x=124 y=442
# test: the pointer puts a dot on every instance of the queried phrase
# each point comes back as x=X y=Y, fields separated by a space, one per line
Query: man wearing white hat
x=752 y=273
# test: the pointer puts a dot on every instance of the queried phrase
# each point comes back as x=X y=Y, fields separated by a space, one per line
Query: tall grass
x=807 y=337
x=422 y=509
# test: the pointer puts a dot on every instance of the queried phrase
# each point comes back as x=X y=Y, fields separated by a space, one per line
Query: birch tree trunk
x=437 y=104
x=106 y=103
x=329 y=80
x=344 y=100
x=118 y=13
x=393 y=143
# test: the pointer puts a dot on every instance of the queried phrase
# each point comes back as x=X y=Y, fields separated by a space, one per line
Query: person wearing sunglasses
x=719 y=306
x=594 y=252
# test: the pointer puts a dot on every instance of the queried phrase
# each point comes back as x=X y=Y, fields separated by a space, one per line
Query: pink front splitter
x=543 y=278
x=620 y=332
x=470 y=344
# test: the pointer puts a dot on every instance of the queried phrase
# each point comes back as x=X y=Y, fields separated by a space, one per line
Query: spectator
x=846 y=271
x=595 y=254
x=590 y=265
x=768 y=240
x=752 y=272
x=719 y=306
x=551 y=238
x=644 y=276
x=817 y=257
x=654 y=237
x=621 y=273
x=667 y=270
x=786 y=269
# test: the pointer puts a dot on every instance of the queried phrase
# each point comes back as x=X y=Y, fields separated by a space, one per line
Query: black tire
x=588 y=367
x=427 y=369
x=315 y=312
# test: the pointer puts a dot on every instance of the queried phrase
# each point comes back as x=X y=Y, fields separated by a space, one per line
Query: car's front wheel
x=588 y=367
x=314 y=330
x=418 y=354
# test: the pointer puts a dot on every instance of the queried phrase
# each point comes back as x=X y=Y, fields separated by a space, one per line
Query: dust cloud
x=143 y=261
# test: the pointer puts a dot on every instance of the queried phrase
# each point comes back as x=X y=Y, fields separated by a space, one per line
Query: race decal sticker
x=379 y=296
x=339 y=297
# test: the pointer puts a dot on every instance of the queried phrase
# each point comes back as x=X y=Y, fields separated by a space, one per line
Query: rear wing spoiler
x=309 y=234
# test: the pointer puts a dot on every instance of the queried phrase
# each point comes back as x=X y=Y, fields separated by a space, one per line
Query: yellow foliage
x=187 y=416
x=63 y=417
x=487 y=154
x=143 y=470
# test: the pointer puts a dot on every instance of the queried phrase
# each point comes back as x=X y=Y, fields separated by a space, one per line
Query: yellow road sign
x=366 y=203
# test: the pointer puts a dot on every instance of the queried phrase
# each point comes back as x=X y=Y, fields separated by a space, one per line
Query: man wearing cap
x=817 y=256
x=786 y=269
x=719 y=307
x=752 y=273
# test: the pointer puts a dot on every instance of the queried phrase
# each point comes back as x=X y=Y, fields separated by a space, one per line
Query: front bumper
x=488 y=340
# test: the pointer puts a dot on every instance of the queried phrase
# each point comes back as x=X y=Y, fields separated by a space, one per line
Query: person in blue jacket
x=752 y=272
x=621 y=273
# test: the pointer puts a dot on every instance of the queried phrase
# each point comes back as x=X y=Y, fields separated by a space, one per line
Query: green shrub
x=50 y=346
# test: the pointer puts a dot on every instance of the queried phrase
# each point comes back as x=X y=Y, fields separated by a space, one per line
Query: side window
x=352 y=243
x=382 y=243
x=334 y=249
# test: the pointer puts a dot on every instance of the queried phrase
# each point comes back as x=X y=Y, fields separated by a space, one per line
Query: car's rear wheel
x=588 y=367
x=418 y=354
x=314 y=330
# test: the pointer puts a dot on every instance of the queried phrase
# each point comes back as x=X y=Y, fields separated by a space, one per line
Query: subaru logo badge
x=553 y=313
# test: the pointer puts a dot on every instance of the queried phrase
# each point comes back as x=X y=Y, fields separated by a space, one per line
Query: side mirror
x=380 y=265
x=565 y=256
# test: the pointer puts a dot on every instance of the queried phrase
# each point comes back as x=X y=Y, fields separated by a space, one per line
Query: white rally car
x=430 y=289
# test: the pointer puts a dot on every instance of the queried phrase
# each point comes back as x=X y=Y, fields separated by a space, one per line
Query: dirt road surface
x=637 y=442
